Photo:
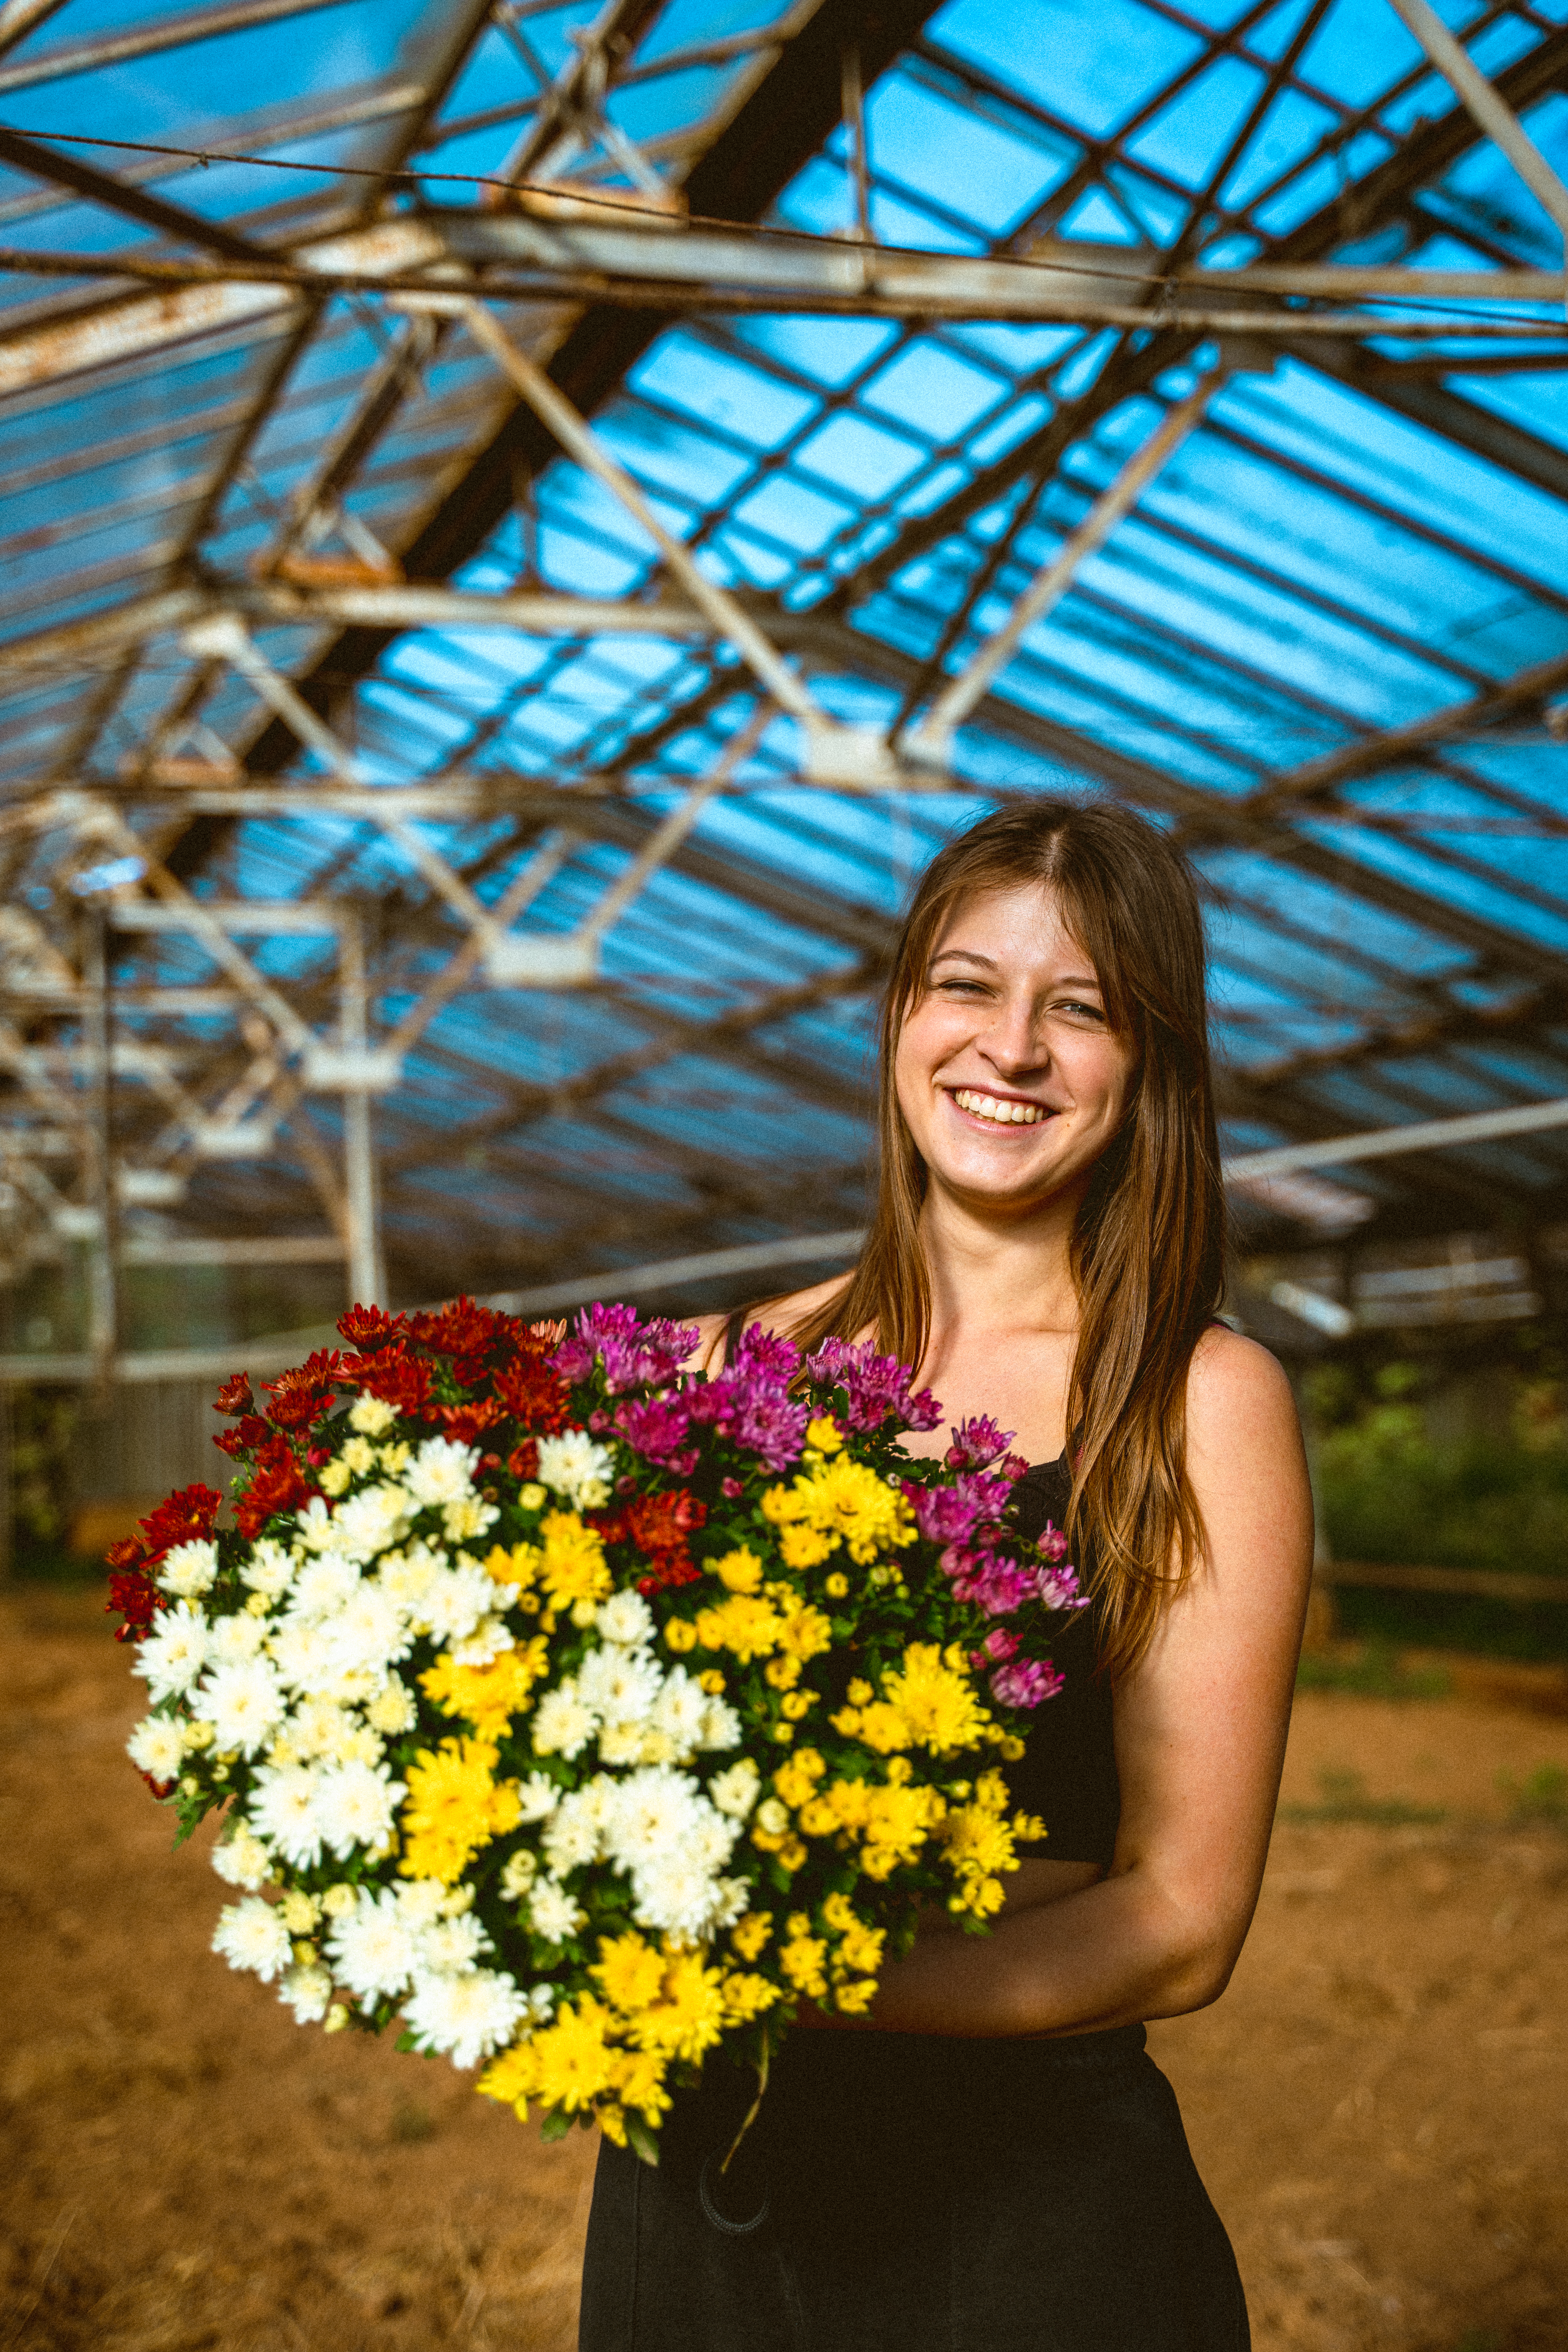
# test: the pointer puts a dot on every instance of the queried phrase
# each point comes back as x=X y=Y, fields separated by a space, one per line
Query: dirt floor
x=1377 y=2104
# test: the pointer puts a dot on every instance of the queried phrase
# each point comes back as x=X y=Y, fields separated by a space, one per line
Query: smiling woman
x=989 y=2162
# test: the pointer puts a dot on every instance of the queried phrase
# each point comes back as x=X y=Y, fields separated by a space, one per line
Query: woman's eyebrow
x=968 y=954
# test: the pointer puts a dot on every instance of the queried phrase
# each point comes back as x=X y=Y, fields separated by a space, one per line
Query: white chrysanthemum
x=303 y=1656
x=467 y=2017
x=441 y=1472
x=721 y=1725
x=155 y=1746
x=681 y=1711
x=373 y=1946
x=369 y=1521
x=370 y=1416
x=318 y=1726
x=653 y=1813
x=174 y=1655
x=236 y=1639
x=562 y=1726
x=317 y=1530
x=307 y=1989
x=736 y=1789
x=553 y=1914
x=455 y=1602
x=251 y=1935
x=538 y=1796
x=421 y=1900
x=242 y=1704
x=676 y=1896
x=357 y=1805
x=284 y=1809
x=468 y=1517
x=541 y=2003
x=489 y=1637
x=574 y=1466
x=369 y=1632
x=409 y=1575
x=521 y=1870
x=627 y=1743
x=575 y=1832
x=452 y=1946
x=189 y=1568
x=241 y=1859
x=392 y=1709
x=626 y=1618
x=269 y=1570
x=622 y=1685
x=321 y=1589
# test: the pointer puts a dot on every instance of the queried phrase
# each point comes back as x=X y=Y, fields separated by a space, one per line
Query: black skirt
x=918 y=2193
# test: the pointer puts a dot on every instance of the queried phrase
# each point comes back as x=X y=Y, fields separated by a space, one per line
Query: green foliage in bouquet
x=586 y=1714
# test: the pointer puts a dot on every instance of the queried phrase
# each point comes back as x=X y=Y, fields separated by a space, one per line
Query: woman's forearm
x=1114 y=1954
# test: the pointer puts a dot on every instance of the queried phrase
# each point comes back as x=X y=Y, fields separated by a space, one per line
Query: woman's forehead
x=1008 y=922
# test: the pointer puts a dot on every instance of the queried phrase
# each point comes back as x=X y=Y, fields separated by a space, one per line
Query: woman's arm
x=1200 y=1740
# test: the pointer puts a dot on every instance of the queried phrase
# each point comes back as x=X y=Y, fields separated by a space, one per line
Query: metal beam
x=64 y=171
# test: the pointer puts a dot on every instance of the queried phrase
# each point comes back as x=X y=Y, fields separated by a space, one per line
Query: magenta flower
x=1058 y=1588
x=875 y=1387
x=656 y=1426
x=994 y=1582
x=948 y=1514
x=998 y=1646
x=1024 y=1682
x=1053 y=1543
x=975 y=1442
x=636 y=1354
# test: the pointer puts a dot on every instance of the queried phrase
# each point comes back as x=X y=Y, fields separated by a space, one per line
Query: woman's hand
x=1200 y=1740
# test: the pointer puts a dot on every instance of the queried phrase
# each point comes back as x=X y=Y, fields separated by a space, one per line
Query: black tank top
x=1066 y=1773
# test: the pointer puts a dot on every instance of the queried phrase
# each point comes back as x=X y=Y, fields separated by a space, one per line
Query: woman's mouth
x=1002 y=1110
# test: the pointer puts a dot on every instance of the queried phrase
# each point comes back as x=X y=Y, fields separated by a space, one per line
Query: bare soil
x=1377 y=2104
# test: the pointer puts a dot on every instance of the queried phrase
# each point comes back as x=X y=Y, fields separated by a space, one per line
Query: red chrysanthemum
x=534 y=1394
x=234 y=1396
x=278 y=1484
x=302 y=1396
x=400 y=1379
x=244 y=1437
x=134 y=1597
x=185 y=1517
x=660 y=1526
x=464 y=1421
x=369 y=1329
x=523 y=1461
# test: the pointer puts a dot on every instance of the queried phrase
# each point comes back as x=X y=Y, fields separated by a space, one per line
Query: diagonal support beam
x=1492 y=112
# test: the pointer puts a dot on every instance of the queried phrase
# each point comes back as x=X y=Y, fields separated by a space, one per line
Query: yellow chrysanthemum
x=936 y=1699
x=740 y=1572
x=801 y=1961
x=823 y=1434
x=512 y=2078
x=854 y=2000
x=840 y=1501
x=805 y=1633
x=796 y=1780
x=636 y=2077
x=746 y=1996
x=519 y=1566
x=749 y=1935
x=572 y=1566
x=455 y=1805
x=575 y=2064
x=688 y=2016
x=488 y=1697
x=630 y=1972
x=978 y=1845
x=744 y=1624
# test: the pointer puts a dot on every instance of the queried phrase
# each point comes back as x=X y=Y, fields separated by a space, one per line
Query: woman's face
x=1008 y=1073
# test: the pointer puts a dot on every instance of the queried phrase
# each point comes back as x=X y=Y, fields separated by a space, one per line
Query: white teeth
x=993 y=1106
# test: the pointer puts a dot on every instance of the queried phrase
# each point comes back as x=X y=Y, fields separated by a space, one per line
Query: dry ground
x=1377 y=2104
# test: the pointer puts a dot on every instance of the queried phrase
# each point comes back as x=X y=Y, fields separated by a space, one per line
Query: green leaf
x=556 y=2124
x=404 y=2040
x=643 y=2142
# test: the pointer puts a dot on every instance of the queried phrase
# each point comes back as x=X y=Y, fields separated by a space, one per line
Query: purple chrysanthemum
x=975 y=1442
x=636 y=1354
x=656 y=1426
x=1024 y=1682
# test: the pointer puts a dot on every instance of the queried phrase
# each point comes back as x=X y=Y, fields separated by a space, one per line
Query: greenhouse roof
x=393 y=765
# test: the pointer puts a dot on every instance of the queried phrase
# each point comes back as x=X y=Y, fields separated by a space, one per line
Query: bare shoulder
x=1237 y=1393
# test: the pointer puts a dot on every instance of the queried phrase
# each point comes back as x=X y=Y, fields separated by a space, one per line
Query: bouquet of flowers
x=586 y=1714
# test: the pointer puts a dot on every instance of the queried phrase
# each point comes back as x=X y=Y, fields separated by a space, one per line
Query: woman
x=990 y=2163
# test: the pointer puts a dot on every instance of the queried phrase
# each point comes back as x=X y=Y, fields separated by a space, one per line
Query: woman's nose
x=1016 y=1040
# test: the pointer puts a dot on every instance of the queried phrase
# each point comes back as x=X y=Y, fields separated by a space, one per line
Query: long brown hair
x=1148 y=1250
